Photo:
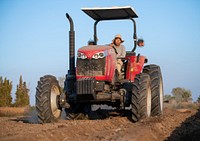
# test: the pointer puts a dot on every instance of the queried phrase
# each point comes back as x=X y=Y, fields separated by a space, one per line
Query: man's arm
x=123 y=52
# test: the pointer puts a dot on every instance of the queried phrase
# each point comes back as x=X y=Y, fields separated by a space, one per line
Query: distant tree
x=181 y=94
x=167 y=97
x=5 y=92
x=22 y=97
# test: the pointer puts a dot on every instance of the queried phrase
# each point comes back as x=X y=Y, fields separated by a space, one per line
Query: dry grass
x=13 y=111
x=182 y=105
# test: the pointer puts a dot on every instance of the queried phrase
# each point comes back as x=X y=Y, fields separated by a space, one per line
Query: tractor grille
x=91 y=67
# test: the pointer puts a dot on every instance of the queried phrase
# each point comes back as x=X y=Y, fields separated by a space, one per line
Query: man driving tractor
x=120 y=51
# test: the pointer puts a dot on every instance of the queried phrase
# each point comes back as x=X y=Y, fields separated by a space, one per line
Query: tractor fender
x=135 y=66
x=141 y=60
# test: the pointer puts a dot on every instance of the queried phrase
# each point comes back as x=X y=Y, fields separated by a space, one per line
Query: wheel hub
x=54 y=102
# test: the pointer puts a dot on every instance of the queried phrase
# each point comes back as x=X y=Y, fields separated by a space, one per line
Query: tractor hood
x=94 y=51
x=96 y=61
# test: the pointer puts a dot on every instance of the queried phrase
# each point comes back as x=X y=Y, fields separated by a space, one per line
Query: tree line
x=21 y=94
x=180 y=95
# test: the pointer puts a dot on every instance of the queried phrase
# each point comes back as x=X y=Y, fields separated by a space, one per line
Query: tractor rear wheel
x=47 y=93
x=141 y=97
x=156 y=88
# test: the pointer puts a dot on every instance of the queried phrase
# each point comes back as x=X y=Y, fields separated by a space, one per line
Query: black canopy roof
x=111 y=13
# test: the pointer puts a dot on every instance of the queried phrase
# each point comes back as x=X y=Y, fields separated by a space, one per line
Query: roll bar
x=134 y=34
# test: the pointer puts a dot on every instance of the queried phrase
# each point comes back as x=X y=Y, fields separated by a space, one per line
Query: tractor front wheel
x=47 y=93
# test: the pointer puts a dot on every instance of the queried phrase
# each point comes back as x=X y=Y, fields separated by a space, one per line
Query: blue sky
x=34 y=38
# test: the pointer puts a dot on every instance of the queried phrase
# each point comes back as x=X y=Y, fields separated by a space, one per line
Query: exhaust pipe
x=71 y=46
x=70 y=80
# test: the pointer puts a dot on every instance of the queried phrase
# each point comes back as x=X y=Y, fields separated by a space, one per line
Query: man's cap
x=118 y=36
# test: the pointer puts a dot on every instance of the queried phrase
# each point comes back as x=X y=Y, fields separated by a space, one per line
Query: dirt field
x=173 y=125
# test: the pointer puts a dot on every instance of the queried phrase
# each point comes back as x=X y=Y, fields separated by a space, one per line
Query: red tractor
x=95 y=80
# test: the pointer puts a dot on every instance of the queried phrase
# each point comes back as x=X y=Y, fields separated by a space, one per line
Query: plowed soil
x=173 y=125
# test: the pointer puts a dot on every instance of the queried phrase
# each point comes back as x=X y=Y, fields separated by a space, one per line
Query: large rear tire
x=156 y=88
x=47 y=93
x=141 y=97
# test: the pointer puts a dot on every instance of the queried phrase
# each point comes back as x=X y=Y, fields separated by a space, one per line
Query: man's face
x=117 y=41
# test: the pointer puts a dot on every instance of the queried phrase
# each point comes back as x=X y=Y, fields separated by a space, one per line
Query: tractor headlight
x=81 y=55
x=98 y=55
